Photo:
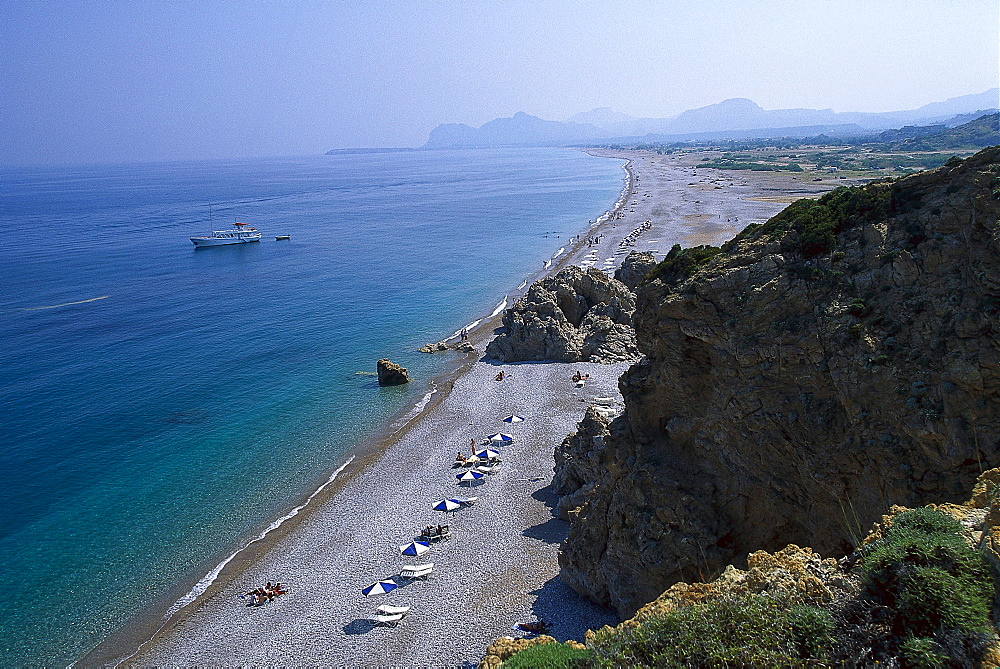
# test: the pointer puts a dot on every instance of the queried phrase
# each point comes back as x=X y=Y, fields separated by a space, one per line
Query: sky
x=107 y=81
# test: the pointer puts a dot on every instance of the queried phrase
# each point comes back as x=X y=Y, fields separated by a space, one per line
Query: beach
x=500 y=566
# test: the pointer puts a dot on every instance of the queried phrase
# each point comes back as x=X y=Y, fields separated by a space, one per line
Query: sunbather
x=535 y=627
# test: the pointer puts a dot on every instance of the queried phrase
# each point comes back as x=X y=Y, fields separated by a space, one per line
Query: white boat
x=240 y=234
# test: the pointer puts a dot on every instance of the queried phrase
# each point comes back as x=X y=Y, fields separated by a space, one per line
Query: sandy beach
x=500 y=566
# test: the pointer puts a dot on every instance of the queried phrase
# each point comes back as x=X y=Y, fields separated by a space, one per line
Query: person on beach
x=501 y=376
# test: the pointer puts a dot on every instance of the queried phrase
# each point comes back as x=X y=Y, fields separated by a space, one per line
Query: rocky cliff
x=797 y=383
x=575 y=315
x=635 y=267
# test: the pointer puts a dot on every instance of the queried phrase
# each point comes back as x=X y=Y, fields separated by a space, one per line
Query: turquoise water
x=161 y=405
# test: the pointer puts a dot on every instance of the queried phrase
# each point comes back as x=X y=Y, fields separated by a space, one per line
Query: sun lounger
x=488 y=470
x=414 y=571
x=389 y=620
x=466 y=501
x=387 y=610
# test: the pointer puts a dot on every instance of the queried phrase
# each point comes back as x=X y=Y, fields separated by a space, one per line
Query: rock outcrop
x=575 y=315
x=440 y=346
x=635 y=267
x=797 y=383
x=391 y=374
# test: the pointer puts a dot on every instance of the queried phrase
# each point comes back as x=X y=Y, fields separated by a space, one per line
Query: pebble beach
x=500 y=567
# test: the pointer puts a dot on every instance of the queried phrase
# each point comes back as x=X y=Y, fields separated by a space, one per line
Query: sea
x=161 y=406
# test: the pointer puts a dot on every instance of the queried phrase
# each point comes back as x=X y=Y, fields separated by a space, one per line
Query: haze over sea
x=163 y=405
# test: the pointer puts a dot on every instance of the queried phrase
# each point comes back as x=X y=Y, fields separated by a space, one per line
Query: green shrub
x=816 y=223
x=680 y=263
x=926 y=520
x=548 y=656
x=935 y=588
x=921 y=653
x=752 y=630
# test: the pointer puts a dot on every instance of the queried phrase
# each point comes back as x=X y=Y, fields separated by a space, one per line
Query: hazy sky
x=127 y=81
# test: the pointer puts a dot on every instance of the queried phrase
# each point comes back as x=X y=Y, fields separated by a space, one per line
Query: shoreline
x=147 y=626
x=373 y=452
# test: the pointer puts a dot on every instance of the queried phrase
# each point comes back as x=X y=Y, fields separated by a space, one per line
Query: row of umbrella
x=417 y=548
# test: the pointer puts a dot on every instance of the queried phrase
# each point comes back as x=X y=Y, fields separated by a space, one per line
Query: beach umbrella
x=488 y=454
x=415 y=548
x=380 y=588
x=447 y=505
x=500 y=437
x=514 y=419
x=469 y=476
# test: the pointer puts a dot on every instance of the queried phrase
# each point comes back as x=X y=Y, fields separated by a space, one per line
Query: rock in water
x=575 y=315
x=635 y=267
x=391 y=374
x=797 y=383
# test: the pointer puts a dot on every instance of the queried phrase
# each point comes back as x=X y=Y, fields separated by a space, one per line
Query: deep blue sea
x=161 y=405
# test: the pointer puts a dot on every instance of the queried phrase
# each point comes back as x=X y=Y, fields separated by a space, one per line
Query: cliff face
x=575 y=315
x=838 y=360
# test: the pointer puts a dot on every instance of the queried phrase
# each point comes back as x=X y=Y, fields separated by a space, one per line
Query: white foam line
x=500 y=307
x=559 y=253
x=202 y=585
x=523 y=284
x=66 y=304
x=419 y=406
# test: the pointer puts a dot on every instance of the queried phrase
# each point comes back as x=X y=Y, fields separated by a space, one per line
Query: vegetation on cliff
x=918 y=593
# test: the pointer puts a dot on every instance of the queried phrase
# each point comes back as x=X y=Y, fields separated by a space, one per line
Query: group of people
x=432 y=532
x=260 y=596
x=593 y=241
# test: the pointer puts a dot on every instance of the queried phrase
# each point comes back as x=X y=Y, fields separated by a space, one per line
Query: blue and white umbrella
x=469 y=476
x=380 y=588
x=415 y=548
x=488 y=454
x=500 y=437
x=447 y=505
x=514 y=419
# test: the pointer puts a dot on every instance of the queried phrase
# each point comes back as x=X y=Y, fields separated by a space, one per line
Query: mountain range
x=736 y=118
